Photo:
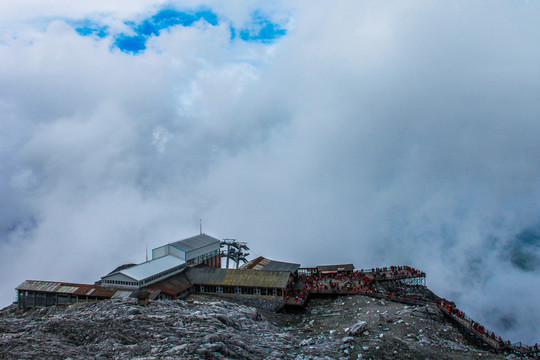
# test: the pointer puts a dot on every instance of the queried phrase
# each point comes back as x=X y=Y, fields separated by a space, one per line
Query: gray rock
x=347 y=339
x=385 y=318
x=357 y=328
x=205 y=328
x=427 y=312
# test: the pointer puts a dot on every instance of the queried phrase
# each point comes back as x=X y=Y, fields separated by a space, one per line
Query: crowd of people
x=296 y=295
x=360 y=281
x=353 y=282
x=322 y=283
x=452 y=310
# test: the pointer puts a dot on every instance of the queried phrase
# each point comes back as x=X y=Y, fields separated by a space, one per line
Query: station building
x=144 y=274
x=167 y=260
x=191 y=265
x=36 y=293
x=242 y=282
x=200 y=249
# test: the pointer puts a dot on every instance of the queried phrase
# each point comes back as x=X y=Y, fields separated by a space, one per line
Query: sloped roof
x=194 y=242
x=70 y=288
x=173 y=285
x=237 y=277
x=262 y=263
x=152 y=267
x=122 y=267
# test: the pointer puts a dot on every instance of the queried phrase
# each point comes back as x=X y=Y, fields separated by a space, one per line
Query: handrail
x=337 y=284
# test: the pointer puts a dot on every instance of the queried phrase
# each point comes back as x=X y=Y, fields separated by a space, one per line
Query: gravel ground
x=392 y=331
x=209 y=328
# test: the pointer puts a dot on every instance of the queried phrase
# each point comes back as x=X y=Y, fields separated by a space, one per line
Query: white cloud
x=376 y=133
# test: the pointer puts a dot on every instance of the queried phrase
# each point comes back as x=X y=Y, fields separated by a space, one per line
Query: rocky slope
x=354 y=327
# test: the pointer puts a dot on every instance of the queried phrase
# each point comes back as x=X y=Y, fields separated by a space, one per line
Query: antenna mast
x=200 y=225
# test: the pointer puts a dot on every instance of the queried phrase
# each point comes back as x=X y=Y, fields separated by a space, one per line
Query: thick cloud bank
x=378 y=133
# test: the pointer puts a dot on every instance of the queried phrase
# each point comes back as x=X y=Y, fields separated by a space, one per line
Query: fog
x=375 y=132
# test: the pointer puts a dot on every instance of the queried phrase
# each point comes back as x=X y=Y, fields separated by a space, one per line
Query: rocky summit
x=201 y=327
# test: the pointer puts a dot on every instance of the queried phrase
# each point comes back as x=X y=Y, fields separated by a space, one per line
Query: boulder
x=428 y=312
x=384 y=318
x=357 y=328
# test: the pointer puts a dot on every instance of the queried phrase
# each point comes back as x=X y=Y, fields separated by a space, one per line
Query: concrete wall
x=119 y=281
x=177 y=252
x=118 y=277
x=160 y=252
x=167 y=250
x=31 y=299
x=201 y=251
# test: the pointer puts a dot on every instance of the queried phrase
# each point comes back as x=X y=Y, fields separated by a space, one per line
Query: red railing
x=360 y=281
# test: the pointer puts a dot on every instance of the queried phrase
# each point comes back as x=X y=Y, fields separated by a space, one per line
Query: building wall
x=168 y=250
x=239 y=291
x=193 y=257
x=177 y=252
x=214 y=261
x=119 y=280
x=160 y=252
x=31 y=299
x=203 y=252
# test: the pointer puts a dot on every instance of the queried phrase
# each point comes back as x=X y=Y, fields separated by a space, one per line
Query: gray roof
x=173 y=285
x=150 y=268
x=71 y=288
x=195 y=242
x=281 y=266
x=236 y=277
x=264 y=264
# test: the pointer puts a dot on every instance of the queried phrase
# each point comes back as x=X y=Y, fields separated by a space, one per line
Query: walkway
x=360 y=283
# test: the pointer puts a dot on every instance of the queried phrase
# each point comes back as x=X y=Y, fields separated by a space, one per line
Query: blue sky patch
x=152 y=26
x=133 y=44
x=170 y=18
x=261 y=29
x=87 y=28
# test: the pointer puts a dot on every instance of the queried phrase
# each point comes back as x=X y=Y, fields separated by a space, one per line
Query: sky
x=369 y=132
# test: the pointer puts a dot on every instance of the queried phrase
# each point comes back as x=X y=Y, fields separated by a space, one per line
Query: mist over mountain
x=373 y=133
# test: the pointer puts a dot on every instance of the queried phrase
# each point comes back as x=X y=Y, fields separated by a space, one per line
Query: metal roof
x=195 y=242
x=281 y=266
x=70 y=288
x=122 y=267
x=262 y=263
x=237 y=277
x=152 y=267
x=335 y=268
x=253 y=263
x=173 y=285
